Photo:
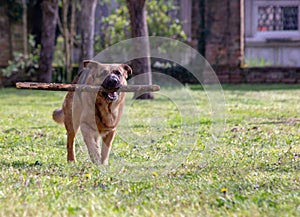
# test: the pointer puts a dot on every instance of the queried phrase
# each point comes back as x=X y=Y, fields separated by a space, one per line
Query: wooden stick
x=84 y=87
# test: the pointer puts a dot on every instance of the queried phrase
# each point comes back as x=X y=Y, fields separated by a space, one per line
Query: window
x=277 y=18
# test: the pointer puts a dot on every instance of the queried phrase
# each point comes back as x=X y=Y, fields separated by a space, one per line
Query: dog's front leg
x=91 y=138
x=106 y=146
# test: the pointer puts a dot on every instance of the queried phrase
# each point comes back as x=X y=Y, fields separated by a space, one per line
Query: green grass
x=253 y=169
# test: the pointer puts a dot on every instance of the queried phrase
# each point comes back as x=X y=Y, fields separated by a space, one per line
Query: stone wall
x=5 y=40
x=287 y=75
x=11 y=36
x=220 y=34
x=223 y=32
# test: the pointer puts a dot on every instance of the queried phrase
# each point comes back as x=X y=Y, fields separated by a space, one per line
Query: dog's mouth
x=111 y=84
x=111 y=96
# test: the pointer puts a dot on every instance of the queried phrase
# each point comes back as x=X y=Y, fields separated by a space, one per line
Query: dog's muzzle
x=111 y=83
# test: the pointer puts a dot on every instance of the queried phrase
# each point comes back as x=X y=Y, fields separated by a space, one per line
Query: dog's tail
x=58 y=116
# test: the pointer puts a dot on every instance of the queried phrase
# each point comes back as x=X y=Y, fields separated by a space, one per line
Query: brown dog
x=97 y=114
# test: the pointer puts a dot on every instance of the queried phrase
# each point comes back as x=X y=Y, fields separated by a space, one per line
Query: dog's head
x=109 y=76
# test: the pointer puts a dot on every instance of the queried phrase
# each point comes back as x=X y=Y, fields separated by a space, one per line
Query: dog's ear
x=85 y=63
x=90 y=63
x=127 y=69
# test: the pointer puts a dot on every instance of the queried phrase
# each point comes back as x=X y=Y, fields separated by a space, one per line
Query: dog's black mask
x=112 y=82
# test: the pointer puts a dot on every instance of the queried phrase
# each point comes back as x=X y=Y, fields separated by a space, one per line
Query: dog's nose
x=111 y=82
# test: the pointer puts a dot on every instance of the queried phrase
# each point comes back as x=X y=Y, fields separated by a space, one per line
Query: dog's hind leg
x=70 y=146
x=107 y=141
x=72 y=128
x=71 y=122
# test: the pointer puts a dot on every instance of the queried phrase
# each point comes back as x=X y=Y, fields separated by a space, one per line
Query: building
x=250 y=41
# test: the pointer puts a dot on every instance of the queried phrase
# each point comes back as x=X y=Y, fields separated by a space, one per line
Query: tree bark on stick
x=49 y=21
x=84 y=87
x=139 y=28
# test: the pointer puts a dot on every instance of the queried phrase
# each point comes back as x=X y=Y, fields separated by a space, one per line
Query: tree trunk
x=202 y=29
x=67 y=26
x=139 y=28
x=24 y=17
x=72 y=34
x=66 y=33
x=87 y=28
x=50 y=13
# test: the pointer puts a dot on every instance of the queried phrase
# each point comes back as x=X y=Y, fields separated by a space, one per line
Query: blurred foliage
x=115 y=28
x=255 y=62
x=58 y=57
x=15 y=10
x=24 y=63
x=161 y=21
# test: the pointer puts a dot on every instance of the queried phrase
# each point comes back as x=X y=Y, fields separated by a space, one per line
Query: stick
x=84 y=87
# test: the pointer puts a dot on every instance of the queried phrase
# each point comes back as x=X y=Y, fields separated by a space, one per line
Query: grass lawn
x=253 y=169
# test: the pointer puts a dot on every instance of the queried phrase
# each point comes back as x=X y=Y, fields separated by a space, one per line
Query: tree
x=24 y=18
x=201 y=32
x=139 y=28
x=49 y=21
x=67 y=26
x=87 y=23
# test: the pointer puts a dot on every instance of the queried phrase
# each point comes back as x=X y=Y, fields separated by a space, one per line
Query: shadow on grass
x=13 y=92
x=260 y=87
x=251 y=87
x=20 y=164
x=16 y=164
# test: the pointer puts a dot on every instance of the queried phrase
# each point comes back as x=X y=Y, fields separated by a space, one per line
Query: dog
x=96 y=114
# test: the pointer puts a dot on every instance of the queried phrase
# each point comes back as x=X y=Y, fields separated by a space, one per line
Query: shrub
x=23 y=65
x=161 y=21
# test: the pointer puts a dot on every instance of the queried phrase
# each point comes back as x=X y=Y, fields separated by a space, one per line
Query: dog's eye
x=117 y=73
x=105 y=72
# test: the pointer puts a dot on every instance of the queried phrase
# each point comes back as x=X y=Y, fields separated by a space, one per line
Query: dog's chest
x=107 y=116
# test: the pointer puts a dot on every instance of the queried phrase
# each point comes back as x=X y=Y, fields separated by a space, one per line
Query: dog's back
x=58 y=114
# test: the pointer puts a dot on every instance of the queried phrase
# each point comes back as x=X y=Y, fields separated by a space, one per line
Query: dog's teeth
x=113 y=94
